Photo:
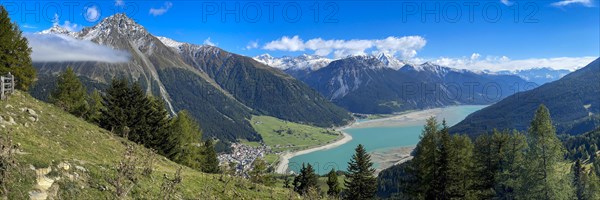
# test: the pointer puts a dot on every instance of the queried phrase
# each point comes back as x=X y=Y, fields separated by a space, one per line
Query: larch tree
x=210 y=162
x=545 y=156
x=426 y=156
x=70 y=94
x=95 y=107
x=183 y=143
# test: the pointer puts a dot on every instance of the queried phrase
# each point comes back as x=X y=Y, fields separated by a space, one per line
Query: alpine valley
x=222 y=90
x=383 y=84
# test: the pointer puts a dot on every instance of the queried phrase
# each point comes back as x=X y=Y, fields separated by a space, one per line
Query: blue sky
x=496 y=34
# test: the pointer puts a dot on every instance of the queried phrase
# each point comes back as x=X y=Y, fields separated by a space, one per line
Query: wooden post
x=1 y=87
x=12 y=83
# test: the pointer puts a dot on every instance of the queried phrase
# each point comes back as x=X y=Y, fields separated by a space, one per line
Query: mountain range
x=573 y=101
x=539 y=76
x=222 y=90
x=383 y=84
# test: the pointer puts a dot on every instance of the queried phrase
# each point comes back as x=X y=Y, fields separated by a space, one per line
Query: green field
x=284 y=136
x=54 y=137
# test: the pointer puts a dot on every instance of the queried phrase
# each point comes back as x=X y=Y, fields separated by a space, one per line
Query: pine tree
x=127 y=107
x=139 y=109
x=578 y=173
x=183 y=143
x=210 y=162
x=96 y=106
x=70 y=94
x=306 y=180
x=15 y=53
x=360 y=182
x=542 y=180
x=154 y=127
x=333 y=184
x=116 y=113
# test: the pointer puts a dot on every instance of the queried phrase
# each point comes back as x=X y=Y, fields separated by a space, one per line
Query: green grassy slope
x=57 y=137
x=282 y=135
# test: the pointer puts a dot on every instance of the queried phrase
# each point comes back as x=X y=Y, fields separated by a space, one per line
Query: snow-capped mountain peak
x=119 y=24
x=170 y=42
x=302 y=62
x=56 y=29
x=390 y=61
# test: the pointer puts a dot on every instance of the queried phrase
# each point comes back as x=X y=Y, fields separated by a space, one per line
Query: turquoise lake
x=375 y=139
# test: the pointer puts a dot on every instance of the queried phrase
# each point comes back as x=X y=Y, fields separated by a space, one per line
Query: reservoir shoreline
x=401 y=153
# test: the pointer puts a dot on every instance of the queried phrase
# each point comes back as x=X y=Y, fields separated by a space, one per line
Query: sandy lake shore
x=403 y=119
x=284 y=158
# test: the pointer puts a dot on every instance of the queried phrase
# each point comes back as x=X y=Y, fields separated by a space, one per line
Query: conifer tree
x=512 y=166
x=116 y=113
x=70 y=94
x=542 y=180
x=306 y=180
x=424 y=162
x=360 y=182
x=334 y=187
x=138 y=111
x=578 y=173
x=183 y=143
x=94 y=112
x=154 y=125
x=591 y=185
x=259 y=173
x=461 y=167
x=15 y=53
x=485 y=167
x=441 y=184
x=210 y=162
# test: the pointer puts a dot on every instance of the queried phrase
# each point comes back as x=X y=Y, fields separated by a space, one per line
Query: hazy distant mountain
x=539 y=76
x=222 y=90
x=302 y=65
x=298 y=66
x=378 y=84
x=573 y=101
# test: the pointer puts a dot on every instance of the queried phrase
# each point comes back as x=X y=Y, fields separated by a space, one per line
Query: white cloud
x=27 y=26
x=286 y=44
x=586 y=3
x=208 y=42
x=66 y=25
x=62 y=48
x=475 y=56
x=162 y=10
x=119 y=3
x=498 y=63
x=406 y=47
x=506 y=2
x=252 y=45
